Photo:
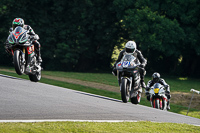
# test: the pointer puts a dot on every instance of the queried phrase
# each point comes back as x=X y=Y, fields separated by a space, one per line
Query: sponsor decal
x=30 y=49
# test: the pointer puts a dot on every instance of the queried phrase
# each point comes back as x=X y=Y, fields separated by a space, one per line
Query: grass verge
x=102 y=127
x=180 y=84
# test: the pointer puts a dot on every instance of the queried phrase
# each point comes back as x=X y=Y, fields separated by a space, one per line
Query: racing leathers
x=139 y=59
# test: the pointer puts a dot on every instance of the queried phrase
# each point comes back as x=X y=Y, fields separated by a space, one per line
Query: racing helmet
x=130 y=47
x=17 y=22
x=155 y=77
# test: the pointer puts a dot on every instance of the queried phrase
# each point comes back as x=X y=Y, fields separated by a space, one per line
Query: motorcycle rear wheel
x=125 y=94
x=136 y=100
x=19 y=66
x=36 y=77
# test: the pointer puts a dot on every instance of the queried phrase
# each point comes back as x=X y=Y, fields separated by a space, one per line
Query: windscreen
x=129 y=58
x=157 y=85
x=18 y=30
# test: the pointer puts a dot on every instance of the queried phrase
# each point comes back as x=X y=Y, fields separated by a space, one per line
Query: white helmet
x=130 y=47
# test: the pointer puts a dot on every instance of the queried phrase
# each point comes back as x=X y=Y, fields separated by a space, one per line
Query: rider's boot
x=168 y=105
x=167 y=93
x=39 y=55
x=40 y=59
x=37 y=48
x=142 y=82
x=147 y=93
x=142 y=73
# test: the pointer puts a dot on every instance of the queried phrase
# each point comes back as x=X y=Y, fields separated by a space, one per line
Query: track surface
x=24 y=100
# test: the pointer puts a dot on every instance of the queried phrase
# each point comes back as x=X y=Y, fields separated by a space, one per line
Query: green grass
x=104 y=78
x=102 y=127
x=179 y=84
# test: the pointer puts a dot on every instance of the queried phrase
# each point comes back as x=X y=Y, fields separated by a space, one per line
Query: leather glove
x=147 y=89
x=146 y=92
x=36 y=37
x=8 y=48
x=114 y=71
x=167 y=92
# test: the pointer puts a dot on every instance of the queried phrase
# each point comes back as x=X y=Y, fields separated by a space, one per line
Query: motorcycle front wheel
x=17 y=59
x=125 y=94
x=156 y=103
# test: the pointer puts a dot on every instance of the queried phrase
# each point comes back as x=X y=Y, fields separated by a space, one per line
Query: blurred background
x=87 y=35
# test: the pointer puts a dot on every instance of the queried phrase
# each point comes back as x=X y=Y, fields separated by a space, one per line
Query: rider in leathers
x=156 y=79
x=130 y=47
x=20 y=22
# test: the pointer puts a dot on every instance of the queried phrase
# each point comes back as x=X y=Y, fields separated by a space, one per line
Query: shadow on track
x=93 y=95
x=6 y=76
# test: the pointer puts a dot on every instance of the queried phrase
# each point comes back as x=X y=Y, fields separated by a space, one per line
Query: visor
x=155 y=80
x=128 y=50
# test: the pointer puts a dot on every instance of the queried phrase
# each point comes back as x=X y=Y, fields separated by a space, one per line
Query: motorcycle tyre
x=125 y=95
x=156 y=104
x=136 y=100
x=19 y=68
x=36 y=77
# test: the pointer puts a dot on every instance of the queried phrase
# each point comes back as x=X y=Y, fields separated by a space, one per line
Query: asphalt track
x=23 y=100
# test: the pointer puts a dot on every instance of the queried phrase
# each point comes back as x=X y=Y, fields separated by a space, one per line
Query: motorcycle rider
x=156 y=79
x=130 y=48
x=20 y=22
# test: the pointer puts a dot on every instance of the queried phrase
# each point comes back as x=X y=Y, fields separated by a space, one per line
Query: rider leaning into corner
x=156 y=79
x=20 y=22
x=130 y=47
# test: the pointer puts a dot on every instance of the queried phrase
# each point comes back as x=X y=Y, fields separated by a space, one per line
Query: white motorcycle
x=158 y=98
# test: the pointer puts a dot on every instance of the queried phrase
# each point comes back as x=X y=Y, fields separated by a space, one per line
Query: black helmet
x=17 y=22
x=155 y=77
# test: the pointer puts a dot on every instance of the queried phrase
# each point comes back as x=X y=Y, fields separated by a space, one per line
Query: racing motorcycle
x=158 y=98
x=129 y=79
x=24 y=55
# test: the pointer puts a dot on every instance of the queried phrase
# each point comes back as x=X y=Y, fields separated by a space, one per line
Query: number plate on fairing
x=125 y=64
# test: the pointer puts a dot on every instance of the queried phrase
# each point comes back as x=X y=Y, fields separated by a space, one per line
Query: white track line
x=65 y=120
x=71 y=120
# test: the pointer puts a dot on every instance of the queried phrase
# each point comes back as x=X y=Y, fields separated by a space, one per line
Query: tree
x=165 y=31
x=81 y=35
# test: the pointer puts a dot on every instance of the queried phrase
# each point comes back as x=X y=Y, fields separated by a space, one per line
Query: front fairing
x=127 y=62
x=151 y=91
x=18 y=37
x=127 y=67
x=157 y=90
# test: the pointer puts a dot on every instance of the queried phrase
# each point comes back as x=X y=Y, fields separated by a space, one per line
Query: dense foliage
x=81 y=35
